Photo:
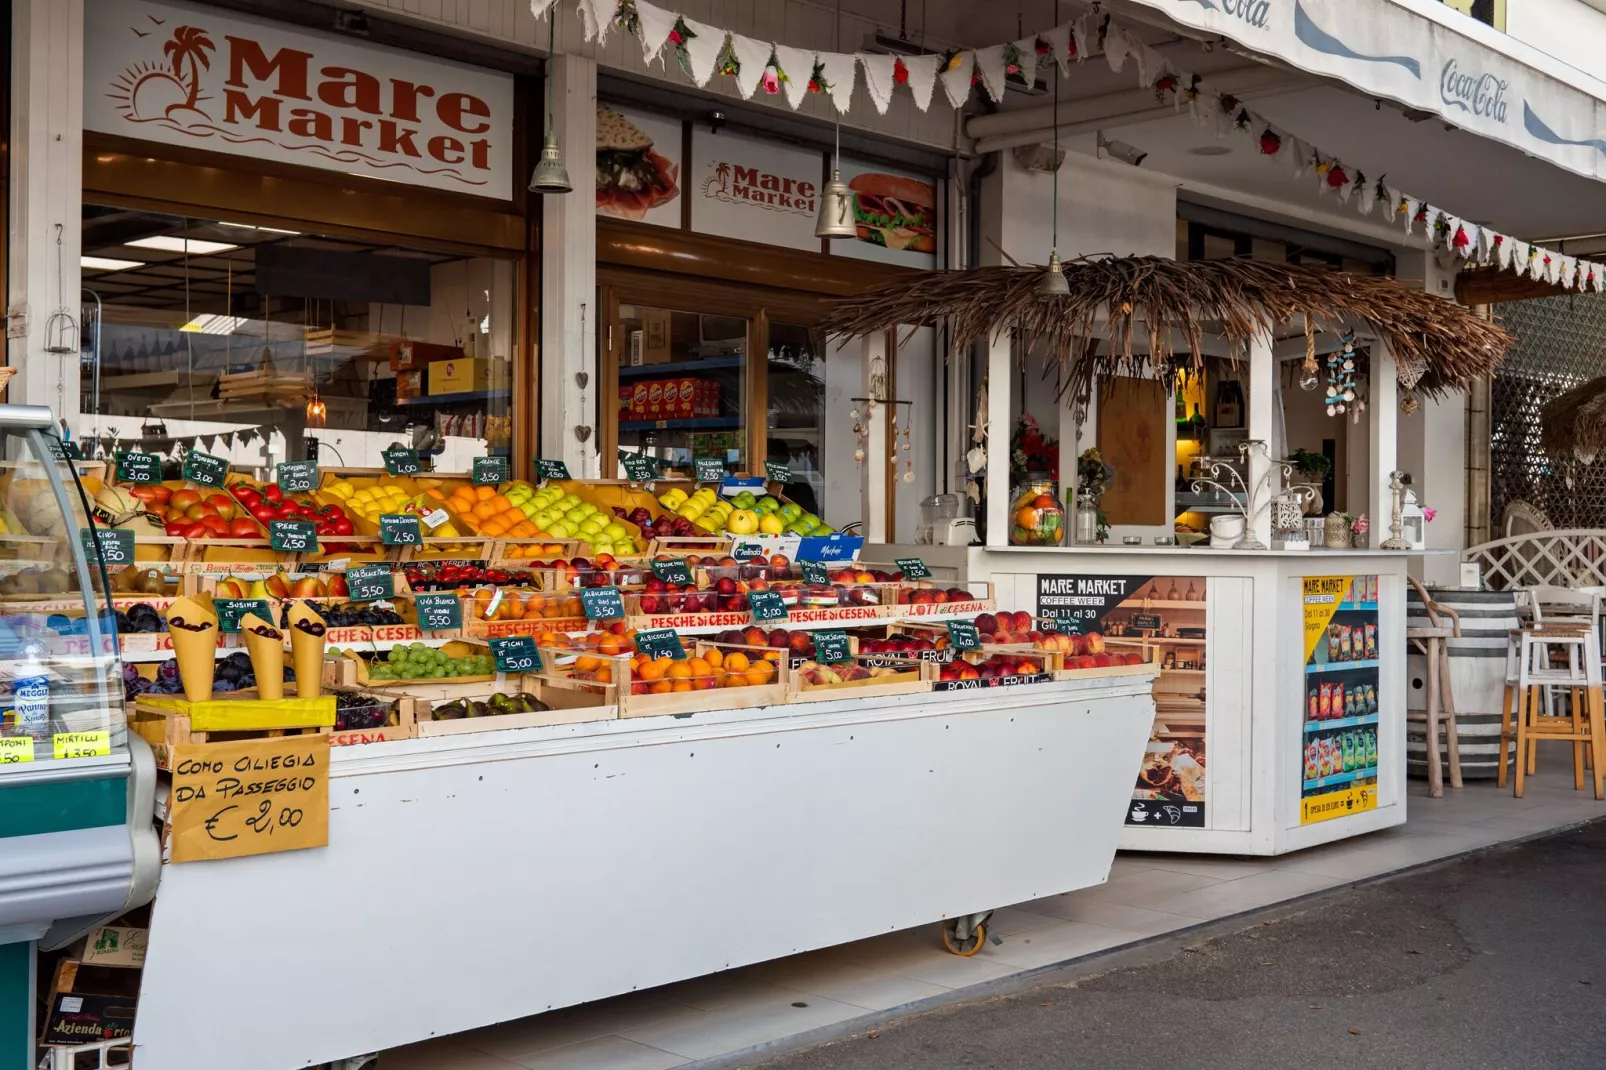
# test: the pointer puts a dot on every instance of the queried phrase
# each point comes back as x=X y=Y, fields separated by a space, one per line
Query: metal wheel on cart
x=965 y=936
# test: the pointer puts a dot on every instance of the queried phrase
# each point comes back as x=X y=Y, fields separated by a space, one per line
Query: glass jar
x=1036 y=515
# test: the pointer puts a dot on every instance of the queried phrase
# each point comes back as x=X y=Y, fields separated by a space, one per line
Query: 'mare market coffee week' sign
x=209 y=79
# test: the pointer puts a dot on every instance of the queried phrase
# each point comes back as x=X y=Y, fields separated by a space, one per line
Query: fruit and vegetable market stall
x=576 y=709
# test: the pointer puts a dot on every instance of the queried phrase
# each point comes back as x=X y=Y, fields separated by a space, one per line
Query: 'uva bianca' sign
x=209 y=79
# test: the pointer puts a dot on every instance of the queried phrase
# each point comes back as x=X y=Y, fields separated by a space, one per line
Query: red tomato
x=196 y=530
x=242 y=528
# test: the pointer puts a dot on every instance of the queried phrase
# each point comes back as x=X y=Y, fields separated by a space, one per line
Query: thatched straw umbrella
x=1574 y=424
x=1131 y=315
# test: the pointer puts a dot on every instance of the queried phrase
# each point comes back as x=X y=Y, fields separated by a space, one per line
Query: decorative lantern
x=1413 y=522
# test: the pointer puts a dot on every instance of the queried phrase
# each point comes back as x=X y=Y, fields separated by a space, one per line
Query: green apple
x=823 y=529
x=616 y=532
x=766 y=504
x=791 y=511
x=809 y=521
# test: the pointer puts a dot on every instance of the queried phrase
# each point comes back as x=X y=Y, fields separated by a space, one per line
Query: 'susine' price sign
x=230 y=611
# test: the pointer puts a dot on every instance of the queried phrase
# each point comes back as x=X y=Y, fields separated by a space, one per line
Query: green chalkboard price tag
x=205 y=469
x=139 y=468
x=551 y=469
x=516 y=653
x=815 y=572
x=293 y=536
x=230 y=611
x=709 y=469
x=400 y=529
x=602 y=603
x=114 y=546
x=672 y=571
x=639 y=469
x=660 y=643
x=370 y=583
x=747 y=551
x=913 y=568
x=777 y=473
x=400 y=461
x=831 y=647
x=766 y=606
x=963 y=635
x=1150 y=621
x=295 y=477
x=63 y=451
x=438 y=612
x=491 y=471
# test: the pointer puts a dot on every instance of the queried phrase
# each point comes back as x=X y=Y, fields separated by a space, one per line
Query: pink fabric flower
x=771 y=81
x=1429 y=513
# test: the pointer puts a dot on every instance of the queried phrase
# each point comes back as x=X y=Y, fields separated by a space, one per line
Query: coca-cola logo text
x=1483 y=95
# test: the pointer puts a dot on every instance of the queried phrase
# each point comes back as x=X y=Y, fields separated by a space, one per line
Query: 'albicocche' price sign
x=661 y=643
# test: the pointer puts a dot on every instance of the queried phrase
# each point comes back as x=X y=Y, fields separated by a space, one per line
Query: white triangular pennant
x=1116 y=46
x=1568 y=267
x=1059 y=46
x=1515 y=256
x=878 y=78
x=752 y=56
x=1083 y=34
x=597 y=18
x=839 y=69
x=798 y=66
x=1151 y=64
x=1485 y=244
x=1600 y=277
x=539 y=8
x=1347 y=190
x=1552 y=263
x=956 y=79
x=1026 y=51
x=656 y=24
x=1299 y=155
x=702 y=49
x=1412 y=207
x=990 y=64
x=1366 y=203
x=922 y=78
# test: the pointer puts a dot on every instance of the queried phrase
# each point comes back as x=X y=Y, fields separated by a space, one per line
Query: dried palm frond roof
x=1574 y=424
x=1128 y=315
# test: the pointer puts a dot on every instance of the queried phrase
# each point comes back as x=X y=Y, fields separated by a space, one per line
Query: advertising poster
x=638 y=166
x=1339 y=757
x=1164 y=617
x=894 y=213
x=741 y=187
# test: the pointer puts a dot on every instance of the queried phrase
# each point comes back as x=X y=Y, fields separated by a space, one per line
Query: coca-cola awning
x=1429 y=57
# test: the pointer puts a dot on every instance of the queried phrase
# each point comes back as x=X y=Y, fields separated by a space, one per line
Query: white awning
x=1425 y=56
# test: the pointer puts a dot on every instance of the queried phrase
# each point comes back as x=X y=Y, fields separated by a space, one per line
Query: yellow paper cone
x=265 y=643
x=306 y=646
x=194 y=630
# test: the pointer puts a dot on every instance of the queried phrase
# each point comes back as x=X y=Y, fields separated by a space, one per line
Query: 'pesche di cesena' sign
x=209 y=79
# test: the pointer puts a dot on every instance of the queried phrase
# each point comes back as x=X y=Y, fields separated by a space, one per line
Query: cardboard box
x=638 y=400
x=409 y=384
x=467 y=375
x=115 y=945
x=413 y=356
x=655 y=341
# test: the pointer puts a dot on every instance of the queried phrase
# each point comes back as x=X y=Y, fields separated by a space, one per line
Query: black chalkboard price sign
x=297 y=476
x=438 y=612
x=766 y=606
x=400 y=529
x=515 y=653
x=400 y=461
x=139 y=468
x=491 y=471
x=370 y=583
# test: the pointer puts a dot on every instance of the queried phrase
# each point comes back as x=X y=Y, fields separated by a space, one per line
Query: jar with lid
x=1036 y=514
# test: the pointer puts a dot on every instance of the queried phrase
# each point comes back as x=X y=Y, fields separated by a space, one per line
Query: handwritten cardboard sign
x=251 y=797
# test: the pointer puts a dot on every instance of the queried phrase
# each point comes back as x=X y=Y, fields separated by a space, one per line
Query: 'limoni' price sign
x=400 y=529
x=491 y=471
x=766 y=606
x=205 y=469
x=516 y=653
x=296 y=476
x=370 y=583
x=139 y=468
x=660 y=643
x=400 y=461
x=114 y=546
x=438 y=612
x=293 y=536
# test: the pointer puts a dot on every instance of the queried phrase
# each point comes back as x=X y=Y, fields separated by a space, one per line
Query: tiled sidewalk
x=1147 y=895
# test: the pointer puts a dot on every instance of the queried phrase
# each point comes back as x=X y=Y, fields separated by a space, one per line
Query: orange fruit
x=484 y=492
x=756 y=676
x=660 y=688
x=735 y=679
x=652 y=670
x=501 y=503
x=714 y=657
x=680 y=685
x=587 y=663
x=537 y=601
x=523 y=529
x=435 y=492
x=605 y=674
x=484 y=510
x=679 y=670
x=736 y=662
x=698 y=667
x=493 y=527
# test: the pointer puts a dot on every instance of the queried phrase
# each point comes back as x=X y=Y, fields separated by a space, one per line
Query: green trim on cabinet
x=62 y=806
x=16 y=1005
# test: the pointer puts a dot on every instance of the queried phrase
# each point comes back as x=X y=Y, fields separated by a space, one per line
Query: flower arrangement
x=677 y=40
x=1031 y=451
x=1359 y=527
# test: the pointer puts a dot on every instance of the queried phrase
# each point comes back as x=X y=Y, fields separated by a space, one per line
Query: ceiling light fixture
x=1053 y=283
x=107 y=263
x=836 y=202
x=550 y=176
x=213 y=323
x=265 y=230
x=169 y=244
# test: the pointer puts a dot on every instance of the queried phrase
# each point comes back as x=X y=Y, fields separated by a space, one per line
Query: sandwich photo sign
x=638 y=166
x=895 y=214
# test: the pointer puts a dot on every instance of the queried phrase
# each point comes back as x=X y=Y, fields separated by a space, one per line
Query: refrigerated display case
x=76 y=789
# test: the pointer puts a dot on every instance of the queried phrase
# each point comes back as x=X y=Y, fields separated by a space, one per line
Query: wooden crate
x=571 y=704
x=166 y=727
x=632 y=704
x=403 y=728
x=915 y=677
x=457 y=548
x=265 y=385
x=504 y=550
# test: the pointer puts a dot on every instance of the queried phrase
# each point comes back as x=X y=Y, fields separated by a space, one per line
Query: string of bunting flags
x=773 y=69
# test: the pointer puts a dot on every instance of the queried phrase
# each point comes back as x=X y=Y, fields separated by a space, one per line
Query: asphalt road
x=1495 y=961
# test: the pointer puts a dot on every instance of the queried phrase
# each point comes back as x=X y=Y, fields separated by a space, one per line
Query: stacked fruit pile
x=743 y=514
x=415 y=661
x=266 y=502
x=459 y=576
x=713 y=667
x=194 y=514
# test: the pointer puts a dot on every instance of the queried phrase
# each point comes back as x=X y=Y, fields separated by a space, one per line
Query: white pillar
x=874 y=508
x=47 y=146
x=1262 y=423
x=999 y=368
x=1383 y=407
x=569 y=276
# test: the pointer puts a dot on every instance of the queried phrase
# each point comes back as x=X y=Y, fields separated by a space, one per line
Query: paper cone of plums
x=265 y=644
x=194 y=630
x=307 y=630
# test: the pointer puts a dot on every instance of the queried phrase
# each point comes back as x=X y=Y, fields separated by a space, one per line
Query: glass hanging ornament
x=1341 y=378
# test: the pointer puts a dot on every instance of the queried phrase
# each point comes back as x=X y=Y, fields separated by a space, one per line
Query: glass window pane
x=796 y=416
x=682 y=386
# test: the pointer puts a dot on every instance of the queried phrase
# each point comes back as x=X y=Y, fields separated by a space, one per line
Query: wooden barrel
x=1477 y=678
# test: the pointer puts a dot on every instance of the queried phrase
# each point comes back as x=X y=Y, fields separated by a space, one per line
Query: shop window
x=253 y=342
x=1492 y=12
x=682 y=386
x=797 y=411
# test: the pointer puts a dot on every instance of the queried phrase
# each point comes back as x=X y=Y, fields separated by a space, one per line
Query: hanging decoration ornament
x=1341 y=377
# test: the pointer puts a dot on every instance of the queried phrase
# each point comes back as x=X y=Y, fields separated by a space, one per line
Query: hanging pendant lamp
x=550 y=175
x=836 y=200
x=1052 y=283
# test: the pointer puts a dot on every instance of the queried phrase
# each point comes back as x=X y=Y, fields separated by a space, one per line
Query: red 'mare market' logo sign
x=736 y=184
x=185 y=75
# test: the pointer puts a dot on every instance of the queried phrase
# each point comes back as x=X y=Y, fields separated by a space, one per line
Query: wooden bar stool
x=1430 y=641
x=1540 y=662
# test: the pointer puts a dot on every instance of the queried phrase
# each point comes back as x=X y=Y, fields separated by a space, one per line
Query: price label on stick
x=516 y=653
x=438 y=612
x=660 y=643
x=815 y=572
x=963 y=635
x=205 y=469
x=639 y=469
x=139 y=468
x=709 y=469
x=296 y=476
x=766 y=606
x=293 y=536
x=913 y=568
x=777 y=473
x=672 y=571
x=831 y=647
x=602 y=603
x=400 y=529
x=551 y=469
x=249 y=797
x=491 y=471
x=114 y=546
x=400 y=461
x=370 y=583
x=230 y=611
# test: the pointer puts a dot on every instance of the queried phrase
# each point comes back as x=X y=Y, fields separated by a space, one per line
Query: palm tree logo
x=721 y=178
x=188 y=48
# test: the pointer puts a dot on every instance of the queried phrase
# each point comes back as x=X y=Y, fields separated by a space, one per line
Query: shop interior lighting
x=265 y=230
x=1053 y=283
x=550 y=176
x=836 y=203
x=212 y=323
x=169 y=244
x=107 y=263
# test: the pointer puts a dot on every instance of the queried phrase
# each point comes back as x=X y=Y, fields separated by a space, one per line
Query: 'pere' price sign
x=293 y=536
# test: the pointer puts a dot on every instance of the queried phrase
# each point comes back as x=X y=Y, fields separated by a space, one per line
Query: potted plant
x=1310 y=471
